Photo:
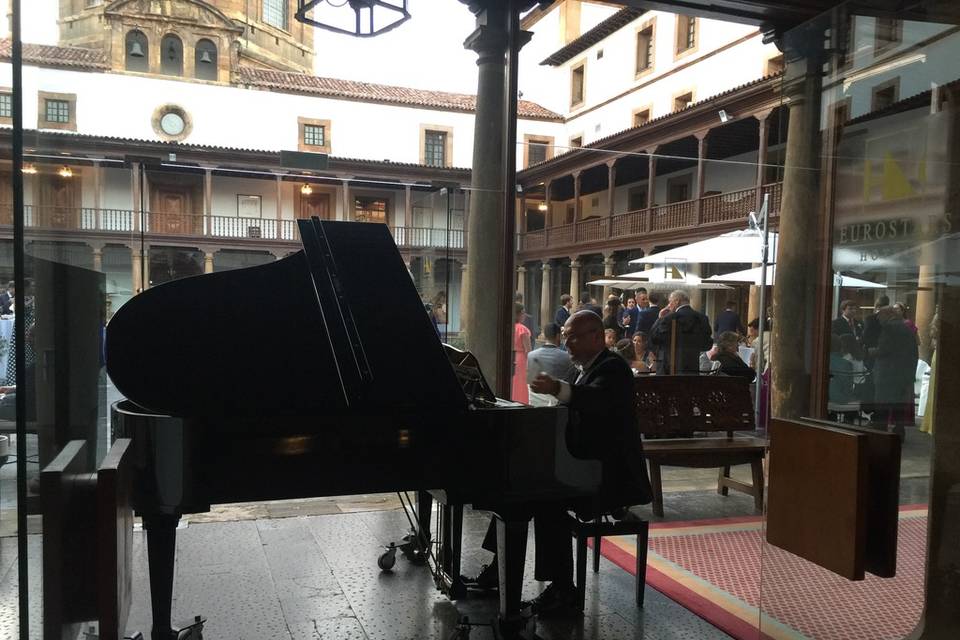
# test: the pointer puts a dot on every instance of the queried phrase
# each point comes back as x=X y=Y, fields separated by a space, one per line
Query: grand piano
x=319 y=374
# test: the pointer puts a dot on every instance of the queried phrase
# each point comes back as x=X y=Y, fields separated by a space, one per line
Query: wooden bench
x=674 y=414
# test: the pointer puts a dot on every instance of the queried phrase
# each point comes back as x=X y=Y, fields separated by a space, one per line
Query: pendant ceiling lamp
x=360 y=18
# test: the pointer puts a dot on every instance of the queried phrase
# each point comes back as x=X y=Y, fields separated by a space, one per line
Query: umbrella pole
x=763 y=309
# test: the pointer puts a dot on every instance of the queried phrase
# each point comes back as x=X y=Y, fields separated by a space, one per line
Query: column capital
x=763 y=116
x=574 y=263
x=576 y=173
x=702 y=134
x=96 y=246
x=608 y=258
x=521 y=269
x=546 y=266
x=611 y=164
x=652 y=149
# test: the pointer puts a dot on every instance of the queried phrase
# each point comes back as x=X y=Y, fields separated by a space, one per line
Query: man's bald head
x=584 y=335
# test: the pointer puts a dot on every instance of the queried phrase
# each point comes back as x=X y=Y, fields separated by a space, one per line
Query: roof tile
x=50 y=55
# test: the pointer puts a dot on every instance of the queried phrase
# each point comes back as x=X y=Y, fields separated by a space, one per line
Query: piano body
x=317 y=375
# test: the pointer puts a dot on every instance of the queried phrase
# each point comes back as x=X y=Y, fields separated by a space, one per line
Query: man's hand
x=544 y=383
x=665 y=311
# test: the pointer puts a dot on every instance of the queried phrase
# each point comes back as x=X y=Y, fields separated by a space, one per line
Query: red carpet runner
x=713 y=568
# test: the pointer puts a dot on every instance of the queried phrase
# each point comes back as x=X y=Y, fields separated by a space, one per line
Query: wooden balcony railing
x=718 y=209
x=126 y=222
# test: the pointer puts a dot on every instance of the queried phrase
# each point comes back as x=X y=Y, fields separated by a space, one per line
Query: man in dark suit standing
x=683 y=330
x=602 y=426
x=586 y=304
x=848 y=323
x=648 y=315
x=563 y=313
x=871 y=327
x=728 y=320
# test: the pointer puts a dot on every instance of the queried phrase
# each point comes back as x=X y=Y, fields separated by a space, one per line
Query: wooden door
x=59 y=202
x=315 y=204
x=172 y=210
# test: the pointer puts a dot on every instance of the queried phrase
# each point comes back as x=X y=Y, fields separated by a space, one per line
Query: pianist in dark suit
x=602 y=426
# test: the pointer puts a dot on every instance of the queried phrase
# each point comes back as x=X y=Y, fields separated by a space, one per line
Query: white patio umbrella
x=752 y=276
x=667 y=277
x=736 y=246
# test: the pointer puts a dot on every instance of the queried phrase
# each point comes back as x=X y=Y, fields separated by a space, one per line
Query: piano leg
x=452 y=520
x=511 y=555
x=161 y=548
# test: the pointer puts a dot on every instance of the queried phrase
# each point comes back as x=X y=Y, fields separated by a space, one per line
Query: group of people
x=873 y=364
x=673 y=339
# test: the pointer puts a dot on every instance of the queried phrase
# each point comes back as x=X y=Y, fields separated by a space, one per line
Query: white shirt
x=565 y=392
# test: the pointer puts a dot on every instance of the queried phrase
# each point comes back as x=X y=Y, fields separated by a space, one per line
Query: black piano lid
x=338 y=327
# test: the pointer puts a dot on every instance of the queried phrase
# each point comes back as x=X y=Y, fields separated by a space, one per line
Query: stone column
x=484 y=275
x=464 y=298
x=753 y=304
x=797 y=274
x=279 y=212
x=208 y=261
x=926 y=307
x=701 y=171
x=347 y=204
x=608 y=265
x=575 y=280
x=98 y=257
x=577 y=206
x=545 y=289
x=546 y=200
x=611 y=185
x=407 y=208
x=762 y=153
x=522 y=285
x=136 y=268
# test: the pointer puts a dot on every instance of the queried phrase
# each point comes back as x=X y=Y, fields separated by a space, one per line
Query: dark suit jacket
x=693 y=337
x=603 y=426
x=561 y=317
x=841 y=327
x=727 y=321
x=591 y=307
x=647 y=318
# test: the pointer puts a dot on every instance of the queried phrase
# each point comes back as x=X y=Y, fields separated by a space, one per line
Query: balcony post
x=347 y=214
x=764 y=119
x=575 y=280
x=408 y=209
x=546 y=287
x=651 y=177
x=97 y=196
x=577 y=185
x=611 y=190
x=208 y=204
x=701 y=171
x=549 y=211
x=278 y=181
x=135 y=190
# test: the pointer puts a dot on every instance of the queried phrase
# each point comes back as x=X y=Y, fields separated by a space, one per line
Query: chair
x=598 y=528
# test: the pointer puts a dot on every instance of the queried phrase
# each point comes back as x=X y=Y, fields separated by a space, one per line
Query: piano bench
x=599 y=528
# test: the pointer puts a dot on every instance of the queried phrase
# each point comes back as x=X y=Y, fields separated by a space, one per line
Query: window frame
x=578 y=138
x=633 y=115
x=370 y=198
x=884 y=45
x=682 y=26
x=650 y=25
x=447 y=144
x=680 y=94
x=545 y=141
x=69 y=98
x=8 y=92
x=302 y=145
x=285 y=4
x=892 y=83
x=580 y=66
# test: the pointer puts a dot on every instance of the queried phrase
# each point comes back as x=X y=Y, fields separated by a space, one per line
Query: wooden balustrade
x=125 y=221
x=719 y=209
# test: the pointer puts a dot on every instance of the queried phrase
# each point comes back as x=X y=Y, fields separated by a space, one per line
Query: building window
x=314 y=135
x=576 y=142
x=136 y=52
x=537 y=149
x=576 y=84
x=435 y=148
x=885 y=95
x=6 y=105
x=888 y=34
x=171 y=55
x=171 y=122
x=275 y=13
x=56 y=111
x=641 y=117
x=686 y=34
x=683 y=101
x=370 y=210
x=205 y=63
x=645 y=49
x=774 y=65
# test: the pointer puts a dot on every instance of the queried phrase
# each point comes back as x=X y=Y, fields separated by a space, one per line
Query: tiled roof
x=612 y=24
x=368 y=91
x=32 y=137
x=49 y=55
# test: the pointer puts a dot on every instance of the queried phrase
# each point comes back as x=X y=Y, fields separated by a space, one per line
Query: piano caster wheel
x=387 y=559
x=410 y=547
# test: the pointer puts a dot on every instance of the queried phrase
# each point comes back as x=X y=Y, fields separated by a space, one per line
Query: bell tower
x=201 y=39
